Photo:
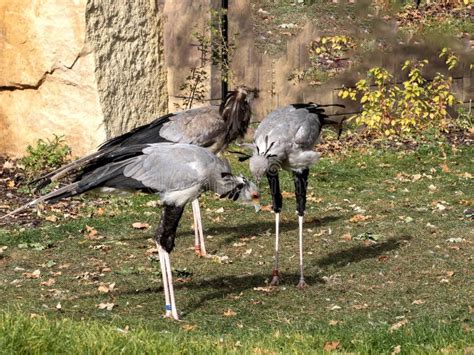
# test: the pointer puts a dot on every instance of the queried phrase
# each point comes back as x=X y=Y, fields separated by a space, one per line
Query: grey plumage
x=212 y=127
x=178 y=172
x=285 y=140
x=150 y=168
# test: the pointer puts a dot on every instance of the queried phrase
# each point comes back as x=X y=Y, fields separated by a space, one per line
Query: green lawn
x=388 y=256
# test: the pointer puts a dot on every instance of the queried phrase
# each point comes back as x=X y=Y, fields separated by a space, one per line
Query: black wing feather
x=148 y=133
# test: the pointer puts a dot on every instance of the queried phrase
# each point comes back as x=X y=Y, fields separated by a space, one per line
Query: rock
x=82 y=69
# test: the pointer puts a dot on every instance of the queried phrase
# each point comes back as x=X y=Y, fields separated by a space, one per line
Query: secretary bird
x=285 y=139
x=179 y=173
x=212 y=127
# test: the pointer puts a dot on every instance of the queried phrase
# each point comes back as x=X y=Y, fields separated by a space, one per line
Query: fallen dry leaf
x=189 y=327
x=333 y=322
x=90 y=232
x=219 y=259
x=107 y=306
x=58 y=306
x=103 y=289
x=331 y=345
x=230 y=313
x=48 y=283
x=396 y=350
x=418 y=302
x=151 y=251
x=263 y=289
x=140 y=225
x=398 y=325
x=445 y=168
x=360 y=306
x=266 y=208
x=10 y=184
x=346 y=236
x=51 y=218
x=32 y=275
x=359 y=218
x=106 y=288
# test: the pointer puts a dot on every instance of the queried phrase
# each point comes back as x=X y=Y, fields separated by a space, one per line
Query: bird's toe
x=302 y=285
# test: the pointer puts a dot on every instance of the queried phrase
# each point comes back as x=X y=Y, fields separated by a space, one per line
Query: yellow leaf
x=398 y=325
x=445 y=168
x=140 y=225
x=359 y=218
x=51 y=218
x=331 y=345
x=230 y=313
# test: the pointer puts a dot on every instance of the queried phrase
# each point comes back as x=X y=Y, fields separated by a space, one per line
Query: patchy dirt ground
x=15 y=192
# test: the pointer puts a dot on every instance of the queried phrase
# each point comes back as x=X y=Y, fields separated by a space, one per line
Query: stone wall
x=85 y=69
x=47 y=82
x=127 y=42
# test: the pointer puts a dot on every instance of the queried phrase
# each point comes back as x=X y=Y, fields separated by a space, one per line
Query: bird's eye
x=255 y=195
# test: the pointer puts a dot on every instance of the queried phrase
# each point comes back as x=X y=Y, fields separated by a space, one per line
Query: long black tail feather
x=148 y=133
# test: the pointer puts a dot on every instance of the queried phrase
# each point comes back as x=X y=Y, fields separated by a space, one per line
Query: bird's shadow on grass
x=360 y=252
x=234 y=232
x=222 y=286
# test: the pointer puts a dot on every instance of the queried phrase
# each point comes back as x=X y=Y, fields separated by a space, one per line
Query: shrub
x=414 y=105
x=46 y=155
x=328 y=56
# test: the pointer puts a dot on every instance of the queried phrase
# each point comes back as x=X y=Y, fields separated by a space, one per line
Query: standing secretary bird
x=285 y=139
x=211 y=127
x=178 y=172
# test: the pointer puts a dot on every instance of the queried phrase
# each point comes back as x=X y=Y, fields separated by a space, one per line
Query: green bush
x=46 y=155
x=412 y=106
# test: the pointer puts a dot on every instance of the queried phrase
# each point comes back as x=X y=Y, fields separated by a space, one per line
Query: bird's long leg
x=301 y=183
x=165 y=236
x=174 y=312
x=277 y=202
x=201 y=232
x=164 y=274
x=199 y=246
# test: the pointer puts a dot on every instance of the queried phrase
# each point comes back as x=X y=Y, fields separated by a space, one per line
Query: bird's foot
x=275 y=278
x=199 y=252
x=171 y=315
x=302 y=284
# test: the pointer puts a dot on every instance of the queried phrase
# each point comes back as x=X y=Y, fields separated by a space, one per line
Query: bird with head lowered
x=211 y=127
x=179 y=173
x=285 y=140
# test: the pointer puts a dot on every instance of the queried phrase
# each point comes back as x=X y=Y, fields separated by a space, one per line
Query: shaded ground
x=277 y=22
x=388 y=255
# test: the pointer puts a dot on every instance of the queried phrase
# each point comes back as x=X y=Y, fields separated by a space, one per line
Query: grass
x=411 y=287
